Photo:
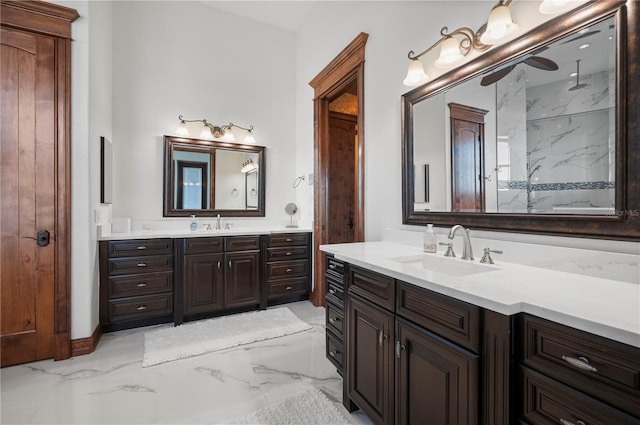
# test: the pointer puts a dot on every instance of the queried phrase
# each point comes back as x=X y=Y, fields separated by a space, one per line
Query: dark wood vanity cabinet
x=287 y=267
x=136 y=283
x=218 y=274
x=334 y=306
x=569 y=376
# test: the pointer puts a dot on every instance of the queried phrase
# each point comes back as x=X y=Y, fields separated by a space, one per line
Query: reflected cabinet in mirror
x=539 y=135
x=207 y=178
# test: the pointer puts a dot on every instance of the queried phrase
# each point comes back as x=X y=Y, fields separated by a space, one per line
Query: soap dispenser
x=430 y=240
x=193 y=226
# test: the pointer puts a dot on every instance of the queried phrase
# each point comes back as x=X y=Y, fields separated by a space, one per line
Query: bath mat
x=310 y=407
x=205 y=336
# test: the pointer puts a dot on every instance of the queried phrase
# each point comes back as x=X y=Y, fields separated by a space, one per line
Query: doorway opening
x=339 y=155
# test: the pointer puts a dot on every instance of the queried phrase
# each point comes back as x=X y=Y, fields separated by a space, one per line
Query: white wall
x=172 y=58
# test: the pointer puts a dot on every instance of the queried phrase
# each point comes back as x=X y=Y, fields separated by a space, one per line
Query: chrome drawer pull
x=580 y=363
x=218 y=264
x=141 y=285
x=141 y=247
x=288 y=240
x=142 y=308
x=565 y=422
x=333 y=353
x=289 y=270
x=288 y=254
x=142 y=264
x=229 y=263
x=332 y=266
x=332 y=291
x=381 y=338
x=399 y=348
x=288 y=288
x=332 y=320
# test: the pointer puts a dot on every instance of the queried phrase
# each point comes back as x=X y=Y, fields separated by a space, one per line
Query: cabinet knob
x=580 y=363
x=141 y=285
x=141 y=247
x=288 y=288
x=142 y=308
x=334 y=320
x=288 y=254
x=288 y=240
x=332 y=291
x=332 y=266
x=334 y=353
x=142 y=264
x=289 y=270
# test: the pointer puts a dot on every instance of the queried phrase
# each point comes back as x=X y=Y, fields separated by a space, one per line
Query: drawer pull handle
x=288 y=240
x=288 y=288
x=141 y=247
x=288 y=254
x=332 y=291
x=332 y=266
x=580 y=363
x=334 y=320
x=399 y=348
x=141 y=285
x=142 y=264
x=334 y=353
x=381 y=338
x=142 y=308
x=229 y=263
x=218 y=264
x=289 y=270
x=566 y=422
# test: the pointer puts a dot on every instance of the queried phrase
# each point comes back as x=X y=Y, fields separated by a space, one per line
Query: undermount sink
x=444 y=265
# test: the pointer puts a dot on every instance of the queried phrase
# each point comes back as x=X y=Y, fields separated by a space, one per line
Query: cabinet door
x=436 y=381
x=370 y=359
x=203 y=283
x=243 y=278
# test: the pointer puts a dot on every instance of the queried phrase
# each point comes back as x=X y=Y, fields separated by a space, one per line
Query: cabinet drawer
x=242 y=243
x=545 y=401
x=287 y=239
x=455 y=320
x=203 y=245
x=140 y=307
x=139 y=247
x=335 y=292
x=335 y=350
x=131 y=265
x=373 y=286
x=293 y=253
x=288 y=287
x=335 y=268
x=140 y=284
x=287 y=269
x=335 y=320
x=605 y=369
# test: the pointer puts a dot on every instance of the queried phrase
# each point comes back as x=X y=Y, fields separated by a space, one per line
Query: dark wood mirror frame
x=625 y=224
x=169 y=171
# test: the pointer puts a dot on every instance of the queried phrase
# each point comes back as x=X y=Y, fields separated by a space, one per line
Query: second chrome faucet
x=467 y=251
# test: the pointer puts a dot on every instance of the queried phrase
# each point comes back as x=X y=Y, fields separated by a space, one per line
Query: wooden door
x=203 y=283
x=370 y=359
x=27 y=196
x=467 y=158
x=436 y=381
x=342 y=179
x=242 y=283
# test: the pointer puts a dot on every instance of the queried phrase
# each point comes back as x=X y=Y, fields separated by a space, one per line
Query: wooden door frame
x=55 y=21
x=342 y=70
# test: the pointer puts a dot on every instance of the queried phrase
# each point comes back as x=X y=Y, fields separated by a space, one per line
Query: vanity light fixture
x=551 y=7
x=248 y=166
x=210 y=131
x=457 y=44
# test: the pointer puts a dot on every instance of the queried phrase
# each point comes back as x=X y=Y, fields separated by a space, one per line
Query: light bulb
x=550 y=7
x=228 y=135
x=182 y=129
x=500 y=26
x=249 y=137
x=206 y=132
x=449 y=54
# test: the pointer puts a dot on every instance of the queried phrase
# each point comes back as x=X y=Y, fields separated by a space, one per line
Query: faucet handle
x=449 y=252
x=486 y=258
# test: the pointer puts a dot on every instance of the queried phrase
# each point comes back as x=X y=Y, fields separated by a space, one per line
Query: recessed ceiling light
x=573 y=74
x=584 y=46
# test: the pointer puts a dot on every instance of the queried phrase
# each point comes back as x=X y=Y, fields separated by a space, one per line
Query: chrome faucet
x=218 y=227
x=467 y=251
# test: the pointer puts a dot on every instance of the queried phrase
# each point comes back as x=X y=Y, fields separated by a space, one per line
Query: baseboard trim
x=82 y=346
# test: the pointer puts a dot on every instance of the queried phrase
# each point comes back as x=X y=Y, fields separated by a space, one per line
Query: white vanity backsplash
x=616 y=260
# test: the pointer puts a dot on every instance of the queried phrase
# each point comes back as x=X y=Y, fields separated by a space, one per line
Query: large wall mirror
x=207 y=178
x=538 y=135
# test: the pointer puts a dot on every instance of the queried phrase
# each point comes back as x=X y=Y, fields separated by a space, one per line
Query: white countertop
x=186 y=233
x=604 y=307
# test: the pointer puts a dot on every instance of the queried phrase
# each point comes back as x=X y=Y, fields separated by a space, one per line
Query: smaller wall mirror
x=207 y=178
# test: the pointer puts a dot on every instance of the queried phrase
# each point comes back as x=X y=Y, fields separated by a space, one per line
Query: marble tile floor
x=109 y=386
